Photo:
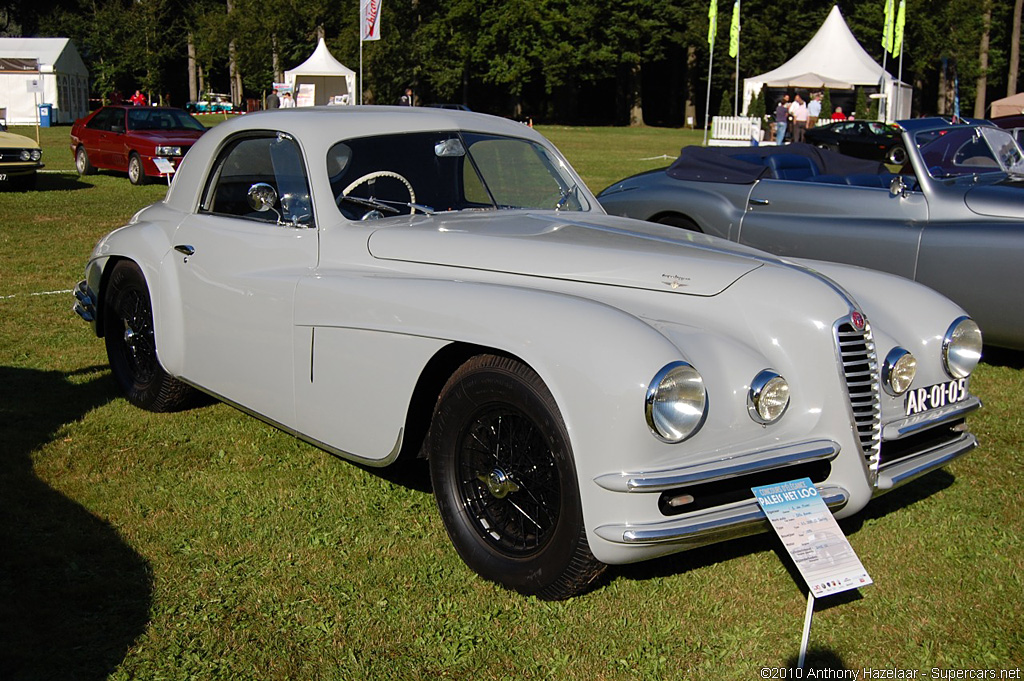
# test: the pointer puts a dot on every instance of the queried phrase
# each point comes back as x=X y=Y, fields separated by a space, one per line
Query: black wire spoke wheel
x=505 y=480
x=127 y=316
x=508 y=481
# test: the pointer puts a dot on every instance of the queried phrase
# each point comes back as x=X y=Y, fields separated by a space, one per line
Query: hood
x=587 y=247
x=9 y=140
x=169 y=137
x=1002 y=200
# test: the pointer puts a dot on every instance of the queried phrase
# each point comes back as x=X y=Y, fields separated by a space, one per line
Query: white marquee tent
x=834 y=59
x=59 y=70
x=332 y=82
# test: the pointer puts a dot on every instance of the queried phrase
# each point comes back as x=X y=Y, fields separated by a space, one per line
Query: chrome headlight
x=25 y=155
x=36 y=154
x=898 y=371
x=676 y=402
x=768 y=397
x=961 y=348
x=168 y=151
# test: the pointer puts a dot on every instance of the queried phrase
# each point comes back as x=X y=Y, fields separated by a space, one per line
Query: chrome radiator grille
x=860 y=369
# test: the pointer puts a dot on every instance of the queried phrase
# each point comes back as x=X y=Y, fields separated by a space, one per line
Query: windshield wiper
x=369 y=203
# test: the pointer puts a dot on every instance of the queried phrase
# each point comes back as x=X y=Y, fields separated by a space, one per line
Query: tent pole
x=707 y=105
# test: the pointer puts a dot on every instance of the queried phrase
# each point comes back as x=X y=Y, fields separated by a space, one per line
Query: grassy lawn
x=207 y=545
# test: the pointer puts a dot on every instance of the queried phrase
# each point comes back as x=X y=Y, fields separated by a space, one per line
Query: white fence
x=742 y=131
x=735 y=131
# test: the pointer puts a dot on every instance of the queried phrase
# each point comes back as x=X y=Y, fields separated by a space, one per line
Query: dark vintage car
x=143 y=141
x=953 y=219
x=862 y=139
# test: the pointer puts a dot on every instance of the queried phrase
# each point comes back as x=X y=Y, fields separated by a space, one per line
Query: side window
x=107 y=119
x=270 y=159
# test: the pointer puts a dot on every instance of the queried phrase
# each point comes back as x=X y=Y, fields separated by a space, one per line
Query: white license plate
x=935 y=396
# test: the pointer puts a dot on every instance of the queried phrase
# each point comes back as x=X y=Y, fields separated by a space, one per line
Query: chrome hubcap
x=499 y=484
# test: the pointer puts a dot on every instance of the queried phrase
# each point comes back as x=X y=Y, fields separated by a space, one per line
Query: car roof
x=320 y=127
x=938 y=123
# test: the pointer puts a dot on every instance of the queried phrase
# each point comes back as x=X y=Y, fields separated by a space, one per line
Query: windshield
x=969 y=150
x=448 y=171
x=146 y=118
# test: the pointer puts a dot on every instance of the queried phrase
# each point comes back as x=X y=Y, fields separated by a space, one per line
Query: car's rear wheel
x=82 y=163
x=505 y=482
x=897 y=156
x=131 y=344
x=136 y=173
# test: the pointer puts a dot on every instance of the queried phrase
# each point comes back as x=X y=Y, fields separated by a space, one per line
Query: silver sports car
x=587 y=389
x=952 y=218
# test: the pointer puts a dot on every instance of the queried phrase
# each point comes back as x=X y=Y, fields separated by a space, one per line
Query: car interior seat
x=791 y=167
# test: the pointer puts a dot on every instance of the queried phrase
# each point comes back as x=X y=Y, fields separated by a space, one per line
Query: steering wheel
x=383 y=173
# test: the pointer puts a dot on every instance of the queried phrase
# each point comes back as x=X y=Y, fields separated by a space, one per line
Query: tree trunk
x=235 y=77
x=1011 y=81
x=690 y=108
x=635 y=94
x=981 y=90
x=275 y=59
x=193 y=93
x=943 y=90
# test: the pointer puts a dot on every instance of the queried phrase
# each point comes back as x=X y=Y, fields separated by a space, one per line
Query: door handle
x=185 y=248
x=758 y=202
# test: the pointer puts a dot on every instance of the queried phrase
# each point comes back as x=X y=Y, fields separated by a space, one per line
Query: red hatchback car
x=133 y=139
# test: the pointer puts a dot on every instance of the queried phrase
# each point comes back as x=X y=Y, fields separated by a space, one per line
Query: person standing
x=273 y=101
x=781 y=120
x=407 y=98
x=138 y=99
x=799 y=112
x=813 y=110
x=286 y=101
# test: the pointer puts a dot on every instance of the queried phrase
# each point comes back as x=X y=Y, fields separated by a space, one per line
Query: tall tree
x=1011 y=80
x=981 y=89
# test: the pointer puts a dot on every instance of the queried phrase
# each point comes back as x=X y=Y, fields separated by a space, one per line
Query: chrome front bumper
x=710 y=526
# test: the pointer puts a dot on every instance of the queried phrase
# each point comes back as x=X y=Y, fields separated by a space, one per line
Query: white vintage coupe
x=588 y=389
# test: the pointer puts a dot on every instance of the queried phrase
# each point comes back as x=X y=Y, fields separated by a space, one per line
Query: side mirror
x=898 y=187
x=262 y=197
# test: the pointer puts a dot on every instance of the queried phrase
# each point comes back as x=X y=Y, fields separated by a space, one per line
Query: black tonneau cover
x=745 y=165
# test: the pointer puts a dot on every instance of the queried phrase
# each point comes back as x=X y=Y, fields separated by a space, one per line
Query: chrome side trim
x=904 y=470
x=727 y=466
x=714 y=525
x=935 y=417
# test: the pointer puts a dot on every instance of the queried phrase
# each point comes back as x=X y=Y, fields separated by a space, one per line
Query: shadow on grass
x=1001 y=357
x=74 y=596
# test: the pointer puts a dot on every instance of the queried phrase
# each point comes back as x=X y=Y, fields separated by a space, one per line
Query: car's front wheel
x=136 y=173
x=131 y=344
x=505 y=482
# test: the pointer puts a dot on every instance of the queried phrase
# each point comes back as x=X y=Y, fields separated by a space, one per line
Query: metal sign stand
x=807 y=630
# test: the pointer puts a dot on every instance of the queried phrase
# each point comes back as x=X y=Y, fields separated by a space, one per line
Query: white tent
x=54 y=63
x=834 y=59
x=322 y=79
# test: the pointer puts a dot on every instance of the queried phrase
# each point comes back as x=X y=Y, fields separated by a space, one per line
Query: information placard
x=812 y=536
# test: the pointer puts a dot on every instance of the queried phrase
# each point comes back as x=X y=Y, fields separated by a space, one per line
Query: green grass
x=207 y=545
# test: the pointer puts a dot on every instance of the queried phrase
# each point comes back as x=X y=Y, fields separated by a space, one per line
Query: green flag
x=734 y=30
x=897 y=34
x=712 y=23
x=887 y=25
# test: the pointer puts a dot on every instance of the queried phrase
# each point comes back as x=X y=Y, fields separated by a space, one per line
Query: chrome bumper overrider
x=85 y=303
x=906 y=469
x=714 y=525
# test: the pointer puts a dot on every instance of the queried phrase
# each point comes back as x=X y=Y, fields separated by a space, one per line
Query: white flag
x=369 y=19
